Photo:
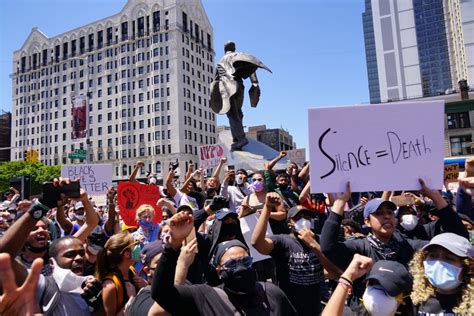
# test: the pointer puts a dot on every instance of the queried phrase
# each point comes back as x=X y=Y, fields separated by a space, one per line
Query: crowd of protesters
x=343 y=253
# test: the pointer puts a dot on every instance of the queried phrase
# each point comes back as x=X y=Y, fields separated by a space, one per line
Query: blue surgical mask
x=146 y=225
x=442 y=275
x=136 y=252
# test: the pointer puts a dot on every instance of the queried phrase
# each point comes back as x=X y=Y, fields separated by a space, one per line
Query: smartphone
x=52 y=193
x=231 y=167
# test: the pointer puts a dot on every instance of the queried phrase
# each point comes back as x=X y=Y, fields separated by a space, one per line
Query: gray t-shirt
x=52 y=301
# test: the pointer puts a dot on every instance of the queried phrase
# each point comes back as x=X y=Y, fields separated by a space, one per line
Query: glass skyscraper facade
x=432 y=46
x=370 y=53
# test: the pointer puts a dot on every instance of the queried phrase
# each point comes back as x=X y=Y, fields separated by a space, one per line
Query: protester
x=443 y=273
x=236 y=193
x=297 y=256
x=240 y=292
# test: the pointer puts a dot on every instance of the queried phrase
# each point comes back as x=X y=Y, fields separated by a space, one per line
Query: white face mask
x=239 y=180
x=409 y=221
x=79 y=217
x=377 y=302
x=303 y=223
x=152 y=180
x=67 y=280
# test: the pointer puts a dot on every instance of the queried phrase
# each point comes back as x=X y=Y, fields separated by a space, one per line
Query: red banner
x=131 y=195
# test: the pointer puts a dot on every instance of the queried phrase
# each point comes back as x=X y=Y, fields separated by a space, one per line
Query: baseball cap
x=374 y=204
x=150 y=250
x=222 y=248
x=78 y=205
x=392 y=276
x=224 y=212
x=96 y=241
x=456 y=244
x=184 y=207
x=295 y=210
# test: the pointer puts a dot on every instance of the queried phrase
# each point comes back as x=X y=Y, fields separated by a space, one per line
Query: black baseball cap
x=295 y=210
x=392 y=276
x=224 y=212
x=150 y=251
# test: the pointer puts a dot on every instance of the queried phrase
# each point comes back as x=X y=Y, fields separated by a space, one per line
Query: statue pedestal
x=252 y=156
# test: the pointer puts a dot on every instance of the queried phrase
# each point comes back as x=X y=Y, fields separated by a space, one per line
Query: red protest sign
x=131 y=195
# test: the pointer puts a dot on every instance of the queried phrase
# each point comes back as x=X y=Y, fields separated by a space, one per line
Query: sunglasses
x=232 y=264
x=257 y=179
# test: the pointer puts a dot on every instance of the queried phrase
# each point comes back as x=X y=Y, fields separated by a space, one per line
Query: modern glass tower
x=415 y=48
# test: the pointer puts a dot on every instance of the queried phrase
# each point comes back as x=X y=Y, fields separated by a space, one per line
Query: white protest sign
x=210 y=155
x=298 y=156
x=94 y=178
x=247 y=225
x=377 y=147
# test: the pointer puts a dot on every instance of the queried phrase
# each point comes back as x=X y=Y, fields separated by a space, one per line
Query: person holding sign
x=384 y=242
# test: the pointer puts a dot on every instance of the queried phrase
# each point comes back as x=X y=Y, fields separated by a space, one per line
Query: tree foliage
x=38 y=172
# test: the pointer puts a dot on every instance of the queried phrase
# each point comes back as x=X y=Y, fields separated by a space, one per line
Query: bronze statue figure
x=227 y=89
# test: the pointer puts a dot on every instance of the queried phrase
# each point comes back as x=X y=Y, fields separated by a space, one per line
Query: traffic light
x=28 y=155
x=34 y=155
x=25 y=155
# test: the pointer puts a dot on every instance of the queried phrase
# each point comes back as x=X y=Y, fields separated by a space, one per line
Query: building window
x=458 y=120
x=461 y=145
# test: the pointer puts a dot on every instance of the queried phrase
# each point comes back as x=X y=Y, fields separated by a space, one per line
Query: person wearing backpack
x=115 y=270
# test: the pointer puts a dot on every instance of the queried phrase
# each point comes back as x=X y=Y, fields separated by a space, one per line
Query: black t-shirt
x=142 y=303
x=439 y=305
x=299 y=273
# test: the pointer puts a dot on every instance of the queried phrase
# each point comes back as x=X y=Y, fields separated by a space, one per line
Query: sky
x=315 y=49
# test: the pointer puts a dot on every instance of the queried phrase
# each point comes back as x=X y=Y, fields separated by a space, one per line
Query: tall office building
x=144 y=73
x=417 y=48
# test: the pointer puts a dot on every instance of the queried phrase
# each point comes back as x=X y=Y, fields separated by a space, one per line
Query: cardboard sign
x=298 y=156
x=131 y=195
x=210 y=155
x=451 y=172
x=247 y=225
x=403 y=200
x=377 y=147
x=95 y=179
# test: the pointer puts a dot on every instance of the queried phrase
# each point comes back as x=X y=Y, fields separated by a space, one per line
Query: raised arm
x=275 y=160
x=112 y=214
x=63 y=221
x=92 y=219
x=304 y=173
x=136 y=168
x=304 y=193
x=169 y=183
x=218 y=169
x=259 y=242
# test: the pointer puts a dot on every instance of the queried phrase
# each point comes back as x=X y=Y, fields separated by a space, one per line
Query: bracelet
x=346 y=285
x=347 y=280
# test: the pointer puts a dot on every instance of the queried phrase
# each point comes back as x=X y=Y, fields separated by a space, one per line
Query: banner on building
x=377 y=147
x=80 y=117
x=131 y=195
x=298 y=156
x=210 y=155
x=95 y=179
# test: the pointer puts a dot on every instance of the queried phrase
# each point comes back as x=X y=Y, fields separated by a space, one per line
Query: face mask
x=241 y=281
x=136 y=253
x=239 y=180
x=11 y=216
x=165 y=237
x=283 y=186
x=36 y=249
x=79 y=217
x=210 y=192
x=378 y=303
x=229 y=230
x=409 y=222
x=71 y=216
x=152 y=180
x=442 y=275
x=66 y=279
x=145 y=225
x=258 y=186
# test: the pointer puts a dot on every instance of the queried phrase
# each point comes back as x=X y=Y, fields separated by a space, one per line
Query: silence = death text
x=398 y=149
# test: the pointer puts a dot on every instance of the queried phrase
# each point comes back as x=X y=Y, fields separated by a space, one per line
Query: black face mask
x=241 y=281
x=283 y=187
x=229 y=230
x=210 y=192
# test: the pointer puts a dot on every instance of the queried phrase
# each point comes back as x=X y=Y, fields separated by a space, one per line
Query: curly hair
x=423 y=290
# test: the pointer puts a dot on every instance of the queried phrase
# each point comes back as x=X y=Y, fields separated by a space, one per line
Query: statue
x=227 y=89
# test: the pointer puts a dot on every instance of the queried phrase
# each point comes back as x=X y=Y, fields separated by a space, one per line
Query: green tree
x=38 y=172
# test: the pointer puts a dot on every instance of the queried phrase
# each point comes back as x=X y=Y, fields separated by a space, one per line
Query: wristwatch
x=38 y=209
